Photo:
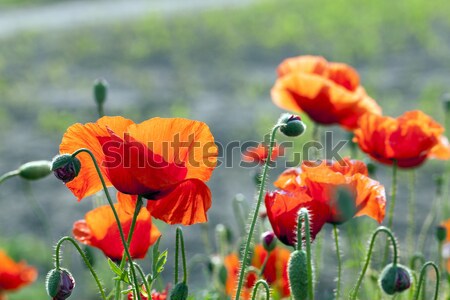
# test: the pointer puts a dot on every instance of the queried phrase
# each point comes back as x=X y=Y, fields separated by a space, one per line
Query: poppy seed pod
x=59 y=284
x=298 y=275
x=441 y=233
x=179 y=292
x=35 y=169
x=269 y=240
x=395 y=279
x=291 y=125
x=100 y=91
x=66 y=167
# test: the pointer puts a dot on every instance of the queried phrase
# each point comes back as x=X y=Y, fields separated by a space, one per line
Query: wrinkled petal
x=185 y=203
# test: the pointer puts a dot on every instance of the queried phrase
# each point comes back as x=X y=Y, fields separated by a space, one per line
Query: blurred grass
x=169 y=62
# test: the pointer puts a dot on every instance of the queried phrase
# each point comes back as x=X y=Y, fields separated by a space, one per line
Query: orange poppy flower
x=260 y=153
x=410 y=139
x=164 y=160
x=275 y=272
x=99 y=229
x=14 y=276
x=330 y=93
x=332 y=192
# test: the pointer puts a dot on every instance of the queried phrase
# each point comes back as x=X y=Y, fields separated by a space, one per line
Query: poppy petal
x=371 y=198
x=186 y=203
x=14 y=275
x=80 y=136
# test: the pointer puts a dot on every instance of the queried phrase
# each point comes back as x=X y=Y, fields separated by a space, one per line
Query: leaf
x=115 y=268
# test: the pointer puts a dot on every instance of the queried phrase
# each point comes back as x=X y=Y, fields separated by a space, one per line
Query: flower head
x=13 y=275
x=165 y=160
x=59 y=284
x=409 y=140
x=99 y=229
x=275 y=272
x=330 y=93
x=333 y=192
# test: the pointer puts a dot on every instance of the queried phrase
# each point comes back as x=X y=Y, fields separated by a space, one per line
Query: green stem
x=255 y=214
x=318 y=255
x=299 y=245
x=142 y=274
x=391 y=207
x=305 y=218
x=355 y=289
x=422 y=279
x=411 y=211
x=8 y=175
x=263 y=266
x=116 y=216
x=179 y=244
x=266 y=288
x=100 y=110
x=85 y=259
x=338 y=256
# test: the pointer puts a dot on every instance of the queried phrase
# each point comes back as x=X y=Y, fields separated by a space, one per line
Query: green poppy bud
x=59 y=284
x=298 y=275
x=100 y=91
x=441 y=233
x=179 y=292
x=35 y=169
x=395 y=279
x=291 y=125
x=269 y=240
x=66 y=167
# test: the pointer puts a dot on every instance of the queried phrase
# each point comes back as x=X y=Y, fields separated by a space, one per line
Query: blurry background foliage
x=216 y=66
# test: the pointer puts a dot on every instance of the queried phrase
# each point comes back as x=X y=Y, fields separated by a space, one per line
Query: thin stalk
x=304 y=214
x=255 y=215
x=83 y=256
x=266 y=288
x=355 y=289
x=422 y=279
x=144 y=280
x=263 y=267
x=411 y=211
x=339 y=261
x=392 y=206
x=8 y=175
x=318 y=254
x=116 y=216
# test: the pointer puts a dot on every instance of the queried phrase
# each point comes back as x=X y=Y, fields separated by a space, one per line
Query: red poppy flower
x=332 y=192
x=275 y=272
x=14 y=276
x=99 y=229
x=164 y=160
x=154 y=295
x=330 y=93
x=410 y=139
x=260 y=153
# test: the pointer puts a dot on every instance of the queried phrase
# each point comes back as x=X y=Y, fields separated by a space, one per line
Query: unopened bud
x=269 y=240
x=35 y=169
x=100 y=91
x=298 y=275
x=59 y=284
x=395 y=279
x=66 y=167
x=179 y=292
x=371 y=169
x=441 y=233
x=291 y=125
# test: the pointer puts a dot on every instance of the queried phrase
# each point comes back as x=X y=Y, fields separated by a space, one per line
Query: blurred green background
x=213 y=61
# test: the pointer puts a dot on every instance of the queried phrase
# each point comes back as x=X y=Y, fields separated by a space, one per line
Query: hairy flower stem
x=392 y=206
x=304 y=218
x=338 y=256
x=179 y=244
x=8 y=175
x=355 y=289
x=422 y=279
x=266 y=288
x=411 y=211
x=116 y=216
x=255 y=214
x=83 y=256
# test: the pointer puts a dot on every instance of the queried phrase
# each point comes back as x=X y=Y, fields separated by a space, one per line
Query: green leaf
x=115 y=268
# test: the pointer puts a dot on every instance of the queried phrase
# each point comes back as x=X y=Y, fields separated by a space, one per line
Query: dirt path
x=70 y=14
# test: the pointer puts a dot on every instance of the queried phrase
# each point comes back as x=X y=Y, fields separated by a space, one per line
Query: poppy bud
x=298 y=275
x=66 y=167
x=441 y=233
x=100 y=91
x=59 y=284
x=291 y=125
x=179 y=292
x=395 y=279
x=269 y=240
x=35 y=169
x=371 y=169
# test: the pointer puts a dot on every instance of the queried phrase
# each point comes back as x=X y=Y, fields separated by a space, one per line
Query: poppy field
x=252 y=151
